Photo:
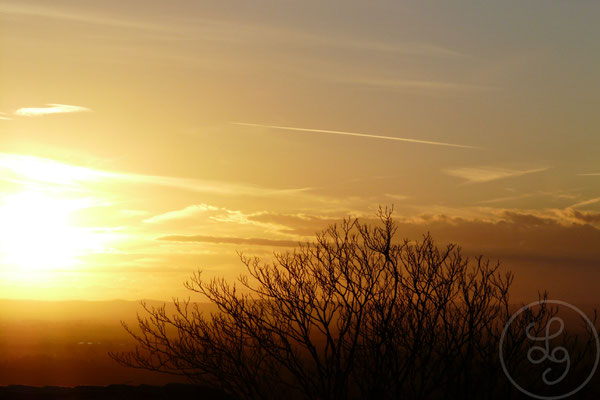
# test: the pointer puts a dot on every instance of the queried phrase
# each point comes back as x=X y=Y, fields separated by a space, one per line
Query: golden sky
x=143 y=139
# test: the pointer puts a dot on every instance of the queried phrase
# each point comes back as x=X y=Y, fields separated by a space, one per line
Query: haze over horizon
x=142 y=140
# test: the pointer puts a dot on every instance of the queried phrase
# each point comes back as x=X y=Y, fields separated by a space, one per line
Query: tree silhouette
x=355 y=314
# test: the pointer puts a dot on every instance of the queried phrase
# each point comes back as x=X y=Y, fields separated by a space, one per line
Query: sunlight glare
x=37 y=234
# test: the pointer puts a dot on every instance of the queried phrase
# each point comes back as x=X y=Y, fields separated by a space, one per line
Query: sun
x=37 y=233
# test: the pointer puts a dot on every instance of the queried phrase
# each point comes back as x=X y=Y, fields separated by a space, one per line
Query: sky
x=143 y=140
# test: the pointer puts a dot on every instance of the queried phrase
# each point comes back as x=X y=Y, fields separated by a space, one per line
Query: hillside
x=66 y=344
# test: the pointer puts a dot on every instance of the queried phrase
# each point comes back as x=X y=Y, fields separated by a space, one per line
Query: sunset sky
x=141 y=140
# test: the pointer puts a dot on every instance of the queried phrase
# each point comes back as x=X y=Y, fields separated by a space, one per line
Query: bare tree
x=355 y=314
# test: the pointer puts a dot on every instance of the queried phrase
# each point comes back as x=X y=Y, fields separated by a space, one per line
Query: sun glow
x=37 y=233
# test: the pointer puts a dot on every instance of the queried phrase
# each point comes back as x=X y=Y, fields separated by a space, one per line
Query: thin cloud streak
x=422 y=84
x=48 y=12
x=229 y=240
x=559 y=195
x=408 y=48
x=508 y=198
x=220 y=29
x=343 y=133
x=48 y=171
x=52 y=109
x=585 y=203
x=488 y=174
x=181 y=214
x=398 y=197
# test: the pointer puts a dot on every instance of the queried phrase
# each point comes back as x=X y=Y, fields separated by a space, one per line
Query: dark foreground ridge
x=112 y=392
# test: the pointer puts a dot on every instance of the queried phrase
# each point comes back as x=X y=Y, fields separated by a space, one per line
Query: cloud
x=297 y=224
x=488 y=174
x=553 y=249
x=181 y=214
x=134 y=213
x=364 y=135
x=508 y=198
x=418 y=49
x=54 y=13
x=219 y=220
x=4 y=116
x=222 y=29
x=554 y=195
x=421 y=84
x=587 y=217
x=51 y=109
x=586 y=202
x=398 y=197
x=406 y=48
x=45 y=170
x=229 y=240
x=203 y=186
x=543 y=234
x=48 y=171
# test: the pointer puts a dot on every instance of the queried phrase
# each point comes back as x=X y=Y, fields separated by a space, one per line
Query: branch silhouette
x=354 y=314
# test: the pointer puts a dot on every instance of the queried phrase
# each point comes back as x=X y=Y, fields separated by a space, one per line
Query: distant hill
x=111 y=392
x=65 y=343
x=71 y=310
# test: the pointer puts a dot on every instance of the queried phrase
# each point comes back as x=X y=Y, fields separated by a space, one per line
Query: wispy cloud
x=344 y=133
x=50 y=109
x=507 y=198
x=585 y=202
x=4 y=116
x=488 y=174
x=222 y=30
x=556 y=195
x=44 y=170
x=48 y=171
x=55 y=13
x=187 y=212
x=398 y=197
x=590 y=174
x=134 y=213
x=204 y=186
x=332 y=40
x=229 y=240
x=422 y=84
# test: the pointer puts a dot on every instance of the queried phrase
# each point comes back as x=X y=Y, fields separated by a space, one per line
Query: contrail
x=288 y=128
